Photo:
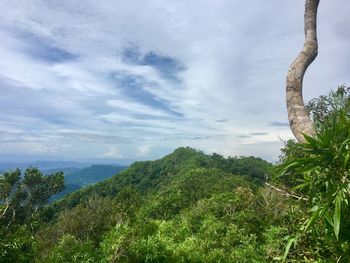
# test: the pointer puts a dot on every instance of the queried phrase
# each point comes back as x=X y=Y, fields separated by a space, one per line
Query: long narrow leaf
x=312 y=220
x=329 y=220
x=347 y=156
x=286 y=251
x=337 y=215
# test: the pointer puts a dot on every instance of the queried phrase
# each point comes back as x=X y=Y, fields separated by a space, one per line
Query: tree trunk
x=299 y=119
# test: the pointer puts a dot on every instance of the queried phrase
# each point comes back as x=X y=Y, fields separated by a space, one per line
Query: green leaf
x=337 y=214
x=289 y=244
x=313 y=218
x=329 y=219
x=310 y=140
x=346 y=159
x=301 y=186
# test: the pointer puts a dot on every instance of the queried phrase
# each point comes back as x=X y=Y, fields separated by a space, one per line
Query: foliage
x=325 y=168
x=185 y=190
x=290 y=152
x=319 y=169
x=150 y=176
x=69 y=249
x=89 y=221
x=208 y=232
x=322 y=107
x=22 y=197
x=185 y=207
x=21 y=201
x=17 y=244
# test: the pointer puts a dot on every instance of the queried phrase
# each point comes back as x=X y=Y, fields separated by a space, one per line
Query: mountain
x=93 y=174
x=77 y=174
x=76 y=178
x=185 y=207
x=151 y=176
x=43 y=165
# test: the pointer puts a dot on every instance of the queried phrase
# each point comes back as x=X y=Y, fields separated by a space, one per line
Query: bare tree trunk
x=299 y=120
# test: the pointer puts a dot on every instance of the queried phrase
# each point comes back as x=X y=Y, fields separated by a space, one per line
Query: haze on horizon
x=135 y=79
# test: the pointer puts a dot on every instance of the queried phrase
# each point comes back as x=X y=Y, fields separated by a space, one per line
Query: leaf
x=337 y=214
x=346 y=160
x=301 y=186
x=310 y=140
x=328 y=219
x=290 y=166
x=313 y=218
x=289 y=244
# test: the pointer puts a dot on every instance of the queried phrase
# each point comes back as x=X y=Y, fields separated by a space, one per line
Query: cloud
x=222 y=120
x=41 y=49
x=279 y=124
x=243 y=136
x=143 y=150
x=258 y=133
x=95 y=137
x=206 y=74
x=185 y=138
x=166 y=66
x=112 y=153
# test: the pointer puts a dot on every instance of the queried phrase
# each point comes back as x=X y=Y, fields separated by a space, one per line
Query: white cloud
x=134 y=107
x=144 y=150
x=236 y=55
x=112 y=153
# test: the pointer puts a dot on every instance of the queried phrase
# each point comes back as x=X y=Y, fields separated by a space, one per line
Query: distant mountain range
x=88 y=175
x=77 y=174
x=42 y=165
x=76 y=178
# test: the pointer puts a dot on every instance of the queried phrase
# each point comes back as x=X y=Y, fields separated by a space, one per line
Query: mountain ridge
x=147 y=176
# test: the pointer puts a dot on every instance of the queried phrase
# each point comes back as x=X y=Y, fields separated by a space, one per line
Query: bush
x=325 y=170
x=71 y=250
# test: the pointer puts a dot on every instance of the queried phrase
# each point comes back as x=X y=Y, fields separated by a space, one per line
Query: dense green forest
x=193 y=207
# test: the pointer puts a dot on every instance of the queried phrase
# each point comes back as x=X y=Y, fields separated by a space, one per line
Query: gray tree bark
x=299 y=119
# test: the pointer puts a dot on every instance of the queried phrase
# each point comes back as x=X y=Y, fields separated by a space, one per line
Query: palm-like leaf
x=325 y=168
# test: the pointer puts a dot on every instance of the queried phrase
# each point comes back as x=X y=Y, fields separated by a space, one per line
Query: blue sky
x=109 y=80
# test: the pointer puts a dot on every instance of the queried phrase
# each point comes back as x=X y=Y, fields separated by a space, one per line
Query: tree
x=322 y=107
x=21 y=197
x=299 y=119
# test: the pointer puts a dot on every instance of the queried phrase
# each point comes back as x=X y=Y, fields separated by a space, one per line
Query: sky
x=131 y=79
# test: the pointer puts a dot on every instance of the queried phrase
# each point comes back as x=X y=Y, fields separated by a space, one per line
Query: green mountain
x=76 y=178
x=149 y=176
x=92 y=174
x=185 y=207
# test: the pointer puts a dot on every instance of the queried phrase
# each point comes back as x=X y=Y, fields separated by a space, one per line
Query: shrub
x=325 y=170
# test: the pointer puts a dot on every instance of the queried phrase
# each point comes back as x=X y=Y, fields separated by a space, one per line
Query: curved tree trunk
x=299 y=120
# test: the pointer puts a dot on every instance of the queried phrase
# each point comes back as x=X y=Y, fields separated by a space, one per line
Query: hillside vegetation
x=185 y=207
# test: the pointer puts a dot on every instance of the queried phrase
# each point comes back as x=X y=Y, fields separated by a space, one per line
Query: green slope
x=152 y=175
x=185 y=207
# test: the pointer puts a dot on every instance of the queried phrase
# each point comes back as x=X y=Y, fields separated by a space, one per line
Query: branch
x=285 y=193
x=12 y=219
x=5 y=210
